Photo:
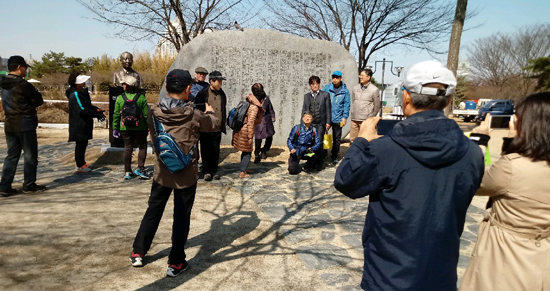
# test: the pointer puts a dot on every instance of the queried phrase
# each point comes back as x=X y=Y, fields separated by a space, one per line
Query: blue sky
x=34 y=27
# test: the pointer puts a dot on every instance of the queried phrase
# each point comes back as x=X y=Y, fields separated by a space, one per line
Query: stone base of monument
x=109 y=148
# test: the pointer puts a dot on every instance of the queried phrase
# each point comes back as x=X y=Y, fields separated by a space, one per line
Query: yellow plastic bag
x=327 y=142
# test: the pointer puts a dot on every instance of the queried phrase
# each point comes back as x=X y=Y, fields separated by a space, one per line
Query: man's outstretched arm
x=357 y=175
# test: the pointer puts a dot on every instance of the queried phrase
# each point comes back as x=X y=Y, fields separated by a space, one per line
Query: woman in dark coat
x=81 y=114
x=264 y=130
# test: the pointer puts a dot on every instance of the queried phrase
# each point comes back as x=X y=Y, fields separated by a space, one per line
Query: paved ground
x=271 y=231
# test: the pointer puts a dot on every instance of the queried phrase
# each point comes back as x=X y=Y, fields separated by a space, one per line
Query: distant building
x=165 y=47
x=463 y=69
x=391 y=94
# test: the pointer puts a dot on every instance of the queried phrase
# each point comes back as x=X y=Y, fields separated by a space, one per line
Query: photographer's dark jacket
x=81 y=114
x=420 y=180
x=19 y=102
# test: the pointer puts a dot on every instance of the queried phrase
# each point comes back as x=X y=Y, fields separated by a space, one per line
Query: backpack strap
x=128 y=100
x=159 y=128
x=78 y=100
x=296 y=134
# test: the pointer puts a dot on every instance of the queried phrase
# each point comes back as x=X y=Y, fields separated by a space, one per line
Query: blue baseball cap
x=337 y=73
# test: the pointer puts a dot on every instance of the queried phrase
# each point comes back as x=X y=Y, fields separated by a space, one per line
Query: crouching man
x=184 y=123
x=303 y=142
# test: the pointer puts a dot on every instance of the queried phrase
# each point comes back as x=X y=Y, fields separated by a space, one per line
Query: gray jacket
x=365 y=103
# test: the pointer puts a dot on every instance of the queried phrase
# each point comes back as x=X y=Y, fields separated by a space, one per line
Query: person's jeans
x=210 y=151
x=183 y=203
x=80 y=152
x=128 y=137
x=336 y=140
x=17 y=141
x=245 y=160
x=258 y=145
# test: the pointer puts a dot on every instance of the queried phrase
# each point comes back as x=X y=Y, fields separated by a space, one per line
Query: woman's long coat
x=513 y=247
x=266 y=129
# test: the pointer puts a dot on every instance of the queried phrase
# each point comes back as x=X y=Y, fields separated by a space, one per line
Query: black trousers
x=210 y=151
x=183 y=203
x=128 y=137
x=336 y=140
x=17 y=141
x=320 y=153
x=294 y=163
x=80 y=152
x=258 y=145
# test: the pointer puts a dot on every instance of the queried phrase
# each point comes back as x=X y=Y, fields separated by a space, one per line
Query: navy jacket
x=420 y=180
x=19 y=101
x=304 y=141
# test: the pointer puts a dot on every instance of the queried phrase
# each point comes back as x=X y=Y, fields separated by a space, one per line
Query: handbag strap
x=78 y=100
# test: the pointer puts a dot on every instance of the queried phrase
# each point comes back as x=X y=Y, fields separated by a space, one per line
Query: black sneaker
x=174 y=270
x=34 y=189
x=216 y=177
x=8 y=193
x=136 y=259
x=257 y=159
x=207 y=177
x=264 y=155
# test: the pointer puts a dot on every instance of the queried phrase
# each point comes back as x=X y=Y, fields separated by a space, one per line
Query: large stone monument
x=282 y=63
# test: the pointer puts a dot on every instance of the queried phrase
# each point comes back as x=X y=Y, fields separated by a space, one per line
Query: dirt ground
x=78 y=236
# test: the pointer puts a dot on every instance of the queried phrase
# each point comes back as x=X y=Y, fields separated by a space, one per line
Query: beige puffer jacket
x=243 y=139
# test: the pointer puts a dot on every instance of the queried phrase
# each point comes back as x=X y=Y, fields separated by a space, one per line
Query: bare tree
x=500 y=60
x=173 y=21
x=454 y=43
x=456 y=35
x=366 y=26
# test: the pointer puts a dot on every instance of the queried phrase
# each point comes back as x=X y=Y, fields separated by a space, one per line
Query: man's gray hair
x=421 y=101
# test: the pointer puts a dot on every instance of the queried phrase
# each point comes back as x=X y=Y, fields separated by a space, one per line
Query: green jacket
x=141 y=103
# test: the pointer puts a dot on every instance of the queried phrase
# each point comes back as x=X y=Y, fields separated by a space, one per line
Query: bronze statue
x=126 y=60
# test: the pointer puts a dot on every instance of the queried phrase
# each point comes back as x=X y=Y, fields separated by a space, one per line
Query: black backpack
x=235 y=118
x=130 y=113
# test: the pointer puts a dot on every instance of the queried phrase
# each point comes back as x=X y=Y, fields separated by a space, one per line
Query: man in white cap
x=420 y=179
x=130 y=122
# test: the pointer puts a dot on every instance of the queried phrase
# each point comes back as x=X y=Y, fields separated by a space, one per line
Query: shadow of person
x=77 y=177
x=216 y=246
x=275 y=152
x=226 y=151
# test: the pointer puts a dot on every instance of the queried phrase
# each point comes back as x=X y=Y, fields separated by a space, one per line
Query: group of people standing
x=420 y=177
